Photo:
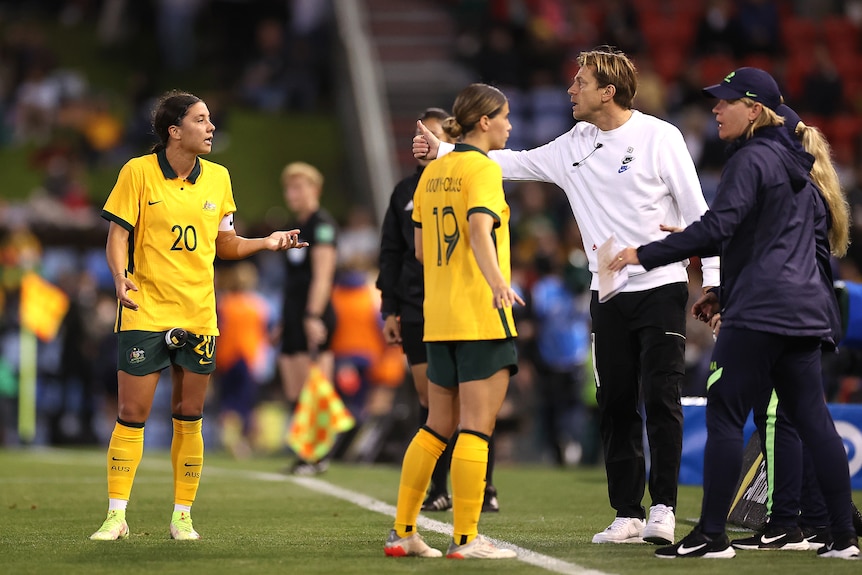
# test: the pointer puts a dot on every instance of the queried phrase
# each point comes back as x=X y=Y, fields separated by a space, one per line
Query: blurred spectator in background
x=559 y=349
x=547 y=111
x=621 y=25
x=358 y=344
x=307 y=316
x=245 y=319
x=822 y=86
x=718 y=30
x=308 y=53
x=759 y=28
x=264 y=80
x=359 y=239
x=176 y=21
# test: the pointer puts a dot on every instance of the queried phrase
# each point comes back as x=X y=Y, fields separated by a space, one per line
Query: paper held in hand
x=610 y=283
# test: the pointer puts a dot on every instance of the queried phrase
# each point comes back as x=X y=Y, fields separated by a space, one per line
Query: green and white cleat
x=181 y=527
x=114 y=527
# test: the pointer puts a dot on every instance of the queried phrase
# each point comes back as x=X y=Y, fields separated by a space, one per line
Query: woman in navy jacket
x=768 y=223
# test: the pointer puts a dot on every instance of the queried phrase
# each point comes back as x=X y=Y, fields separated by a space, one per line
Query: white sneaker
x=660 y=525
x=622 y=530
x=410 y=546
x=479 y=548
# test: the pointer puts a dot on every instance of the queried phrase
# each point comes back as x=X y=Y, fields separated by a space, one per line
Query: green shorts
x=145 y=352
x=454 y=362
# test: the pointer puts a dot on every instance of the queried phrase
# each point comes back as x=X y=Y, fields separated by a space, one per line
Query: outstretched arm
x=230 y=246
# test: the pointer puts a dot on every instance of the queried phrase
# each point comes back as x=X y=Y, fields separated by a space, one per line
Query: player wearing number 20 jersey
x=458 y=302
x=173 y=224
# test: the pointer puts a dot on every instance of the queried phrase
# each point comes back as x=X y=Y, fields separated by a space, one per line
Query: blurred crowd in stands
x=275 y=57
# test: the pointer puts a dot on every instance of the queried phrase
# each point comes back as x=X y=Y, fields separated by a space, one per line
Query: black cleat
x=490 y=504
x=857 y=520
x=843 y=547
x=774 y=537
x=437 y=502
x=697 y=544
x=817 y=537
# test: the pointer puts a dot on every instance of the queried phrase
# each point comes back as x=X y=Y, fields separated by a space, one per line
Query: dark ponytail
x=170 y=111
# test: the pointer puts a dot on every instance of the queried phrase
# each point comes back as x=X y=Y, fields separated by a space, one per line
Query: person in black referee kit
x=769 y=224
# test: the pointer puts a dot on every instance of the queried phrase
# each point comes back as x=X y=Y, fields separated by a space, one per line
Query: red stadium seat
x=713 y=69
x=843 y=134
x=797 y=68
x=841 y=35
x=759 y=61
x=668 y=64
x=799 y=34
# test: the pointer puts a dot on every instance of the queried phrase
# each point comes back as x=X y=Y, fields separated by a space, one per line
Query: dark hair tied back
x=170 y=110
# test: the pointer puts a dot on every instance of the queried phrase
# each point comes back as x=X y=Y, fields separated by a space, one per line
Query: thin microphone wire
x=584 y=159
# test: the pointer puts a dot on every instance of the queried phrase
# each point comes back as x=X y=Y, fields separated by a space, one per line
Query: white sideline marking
x=366 y=502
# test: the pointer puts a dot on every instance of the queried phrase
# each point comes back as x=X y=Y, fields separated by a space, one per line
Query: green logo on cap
x=750 y=95
x=729 y=76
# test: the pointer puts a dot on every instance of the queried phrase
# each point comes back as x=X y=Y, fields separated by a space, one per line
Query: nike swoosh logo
x=118 y=459
x=767 y=540
x=204 y=362
x=750 y=95
x=154 y=203
x=627 y=160
x=683 y=550
x=192 y=464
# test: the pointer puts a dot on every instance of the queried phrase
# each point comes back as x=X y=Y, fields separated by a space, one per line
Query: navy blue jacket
x=768 y=223
x=400 y=280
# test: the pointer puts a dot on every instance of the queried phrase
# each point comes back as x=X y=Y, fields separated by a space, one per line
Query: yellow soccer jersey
x=173 y=224
x=458 y=301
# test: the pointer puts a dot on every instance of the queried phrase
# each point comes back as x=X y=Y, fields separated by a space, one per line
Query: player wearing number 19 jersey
x=173 y=224
x=462 y=239
x=458 y=304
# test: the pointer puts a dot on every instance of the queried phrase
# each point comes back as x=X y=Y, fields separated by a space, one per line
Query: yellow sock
x=419 y=461
x=187 y=457
x=124 y=455
x=469 y=465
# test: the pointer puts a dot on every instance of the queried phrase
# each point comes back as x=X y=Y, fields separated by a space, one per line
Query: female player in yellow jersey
x=170 y=214
x=462 y=238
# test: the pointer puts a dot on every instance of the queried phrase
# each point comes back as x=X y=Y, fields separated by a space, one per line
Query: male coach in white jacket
x=627 y=173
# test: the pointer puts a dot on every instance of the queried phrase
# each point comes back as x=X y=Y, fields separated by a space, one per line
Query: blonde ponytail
x=825 y=177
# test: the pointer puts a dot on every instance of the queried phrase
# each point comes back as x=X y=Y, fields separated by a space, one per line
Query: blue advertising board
x=848 y=422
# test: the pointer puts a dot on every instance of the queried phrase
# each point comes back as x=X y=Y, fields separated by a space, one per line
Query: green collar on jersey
x=467 y=148
x=169 y=172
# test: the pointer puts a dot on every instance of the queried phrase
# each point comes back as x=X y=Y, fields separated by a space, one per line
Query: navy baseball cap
x=791 y=118
x=747 y=82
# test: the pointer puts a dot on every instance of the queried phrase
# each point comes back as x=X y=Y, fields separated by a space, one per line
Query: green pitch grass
x=255 y=520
